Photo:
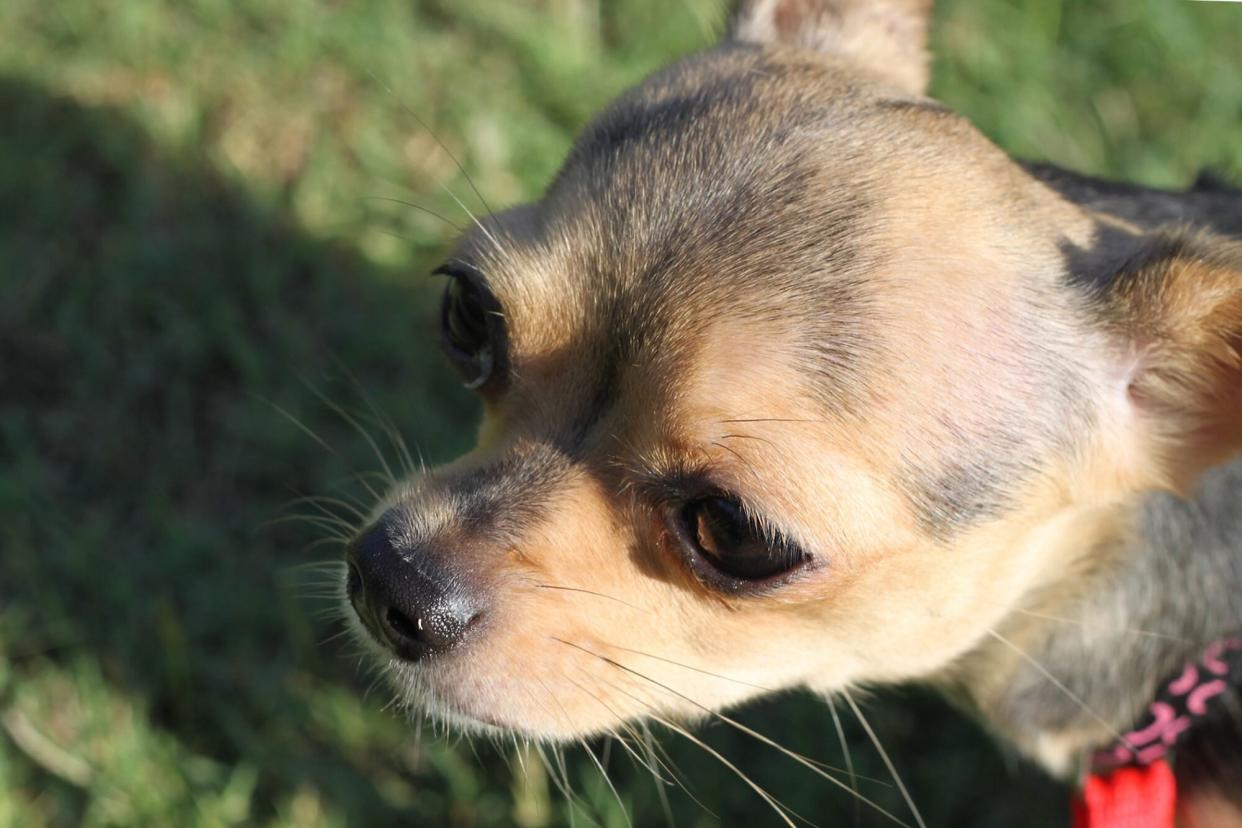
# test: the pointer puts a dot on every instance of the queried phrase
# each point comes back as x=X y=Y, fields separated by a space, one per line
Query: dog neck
x=1066 y=675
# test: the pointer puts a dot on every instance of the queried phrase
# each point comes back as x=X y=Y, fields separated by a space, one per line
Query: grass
x=196 y=236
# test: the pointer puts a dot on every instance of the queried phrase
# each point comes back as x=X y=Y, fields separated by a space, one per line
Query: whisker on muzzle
x=892 y=769
x=589 y=592
x=815 y=767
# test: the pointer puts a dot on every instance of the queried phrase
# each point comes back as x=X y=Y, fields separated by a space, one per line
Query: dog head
x=788 y=380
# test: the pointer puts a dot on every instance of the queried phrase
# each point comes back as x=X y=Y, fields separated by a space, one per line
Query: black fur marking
x=600 y=401
x=1094 y=268
x=506 y=497
x=633 y=121
x=960 y=495
x=1213 y=206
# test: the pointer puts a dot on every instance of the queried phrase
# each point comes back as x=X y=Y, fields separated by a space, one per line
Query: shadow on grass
x=148 y=307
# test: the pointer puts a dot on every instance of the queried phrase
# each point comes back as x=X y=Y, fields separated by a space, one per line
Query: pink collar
x=1131 y=784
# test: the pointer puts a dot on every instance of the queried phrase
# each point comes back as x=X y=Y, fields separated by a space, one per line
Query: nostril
x=401 y=624
x=405 y=596
x=353 y=581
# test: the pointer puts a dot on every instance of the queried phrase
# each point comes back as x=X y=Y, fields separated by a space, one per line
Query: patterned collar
x=1131 y=784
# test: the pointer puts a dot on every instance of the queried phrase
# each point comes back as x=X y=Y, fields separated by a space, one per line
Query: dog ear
x=1176 y=310
x=889 y=37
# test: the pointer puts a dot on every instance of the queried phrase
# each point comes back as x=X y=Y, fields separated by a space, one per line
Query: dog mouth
x=417 y=692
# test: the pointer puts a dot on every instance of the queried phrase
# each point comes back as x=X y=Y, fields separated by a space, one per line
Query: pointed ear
x=888 y=37
x=1178 y=306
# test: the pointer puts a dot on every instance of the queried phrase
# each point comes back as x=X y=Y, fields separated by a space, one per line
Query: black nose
x=403 y=597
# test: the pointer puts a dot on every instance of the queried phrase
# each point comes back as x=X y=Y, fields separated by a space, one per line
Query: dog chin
x=417 y=695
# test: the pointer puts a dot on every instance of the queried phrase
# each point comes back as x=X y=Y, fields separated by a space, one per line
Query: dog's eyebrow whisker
x=737 y=436
x=1060 y=685
x=792 y=754
x=497 y=246
x=422 y=123
x=892 y=769
x=589 y=592
x=419 y=207
x=749 y=466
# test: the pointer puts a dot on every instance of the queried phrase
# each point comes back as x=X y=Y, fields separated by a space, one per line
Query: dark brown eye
x=729 y=541
x=467 y=330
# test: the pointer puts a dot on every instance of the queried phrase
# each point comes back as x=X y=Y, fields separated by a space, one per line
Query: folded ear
x=1177 y=307
x=888 y=37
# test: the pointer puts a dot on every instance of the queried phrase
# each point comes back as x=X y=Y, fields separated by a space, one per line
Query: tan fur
x=1187 y=312
x=957 y=436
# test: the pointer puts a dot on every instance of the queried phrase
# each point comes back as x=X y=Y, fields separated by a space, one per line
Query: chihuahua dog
x=792 y=378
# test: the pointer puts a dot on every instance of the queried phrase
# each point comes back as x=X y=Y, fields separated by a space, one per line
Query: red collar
x=1131 y=784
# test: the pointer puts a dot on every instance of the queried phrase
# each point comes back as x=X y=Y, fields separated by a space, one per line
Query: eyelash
x=667 y=493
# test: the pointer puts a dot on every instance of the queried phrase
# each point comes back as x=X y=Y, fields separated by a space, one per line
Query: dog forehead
x=737 y=190
x=728 y=184
x=711 y=154
x=742 y=190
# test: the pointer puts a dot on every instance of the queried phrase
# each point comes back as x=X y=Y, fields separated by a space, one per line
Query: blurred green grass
x=196 y=233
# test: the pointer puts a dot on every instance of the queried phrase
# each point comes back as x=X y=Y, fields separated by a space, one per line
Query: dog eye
x=721 y=534
x=467 y=326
